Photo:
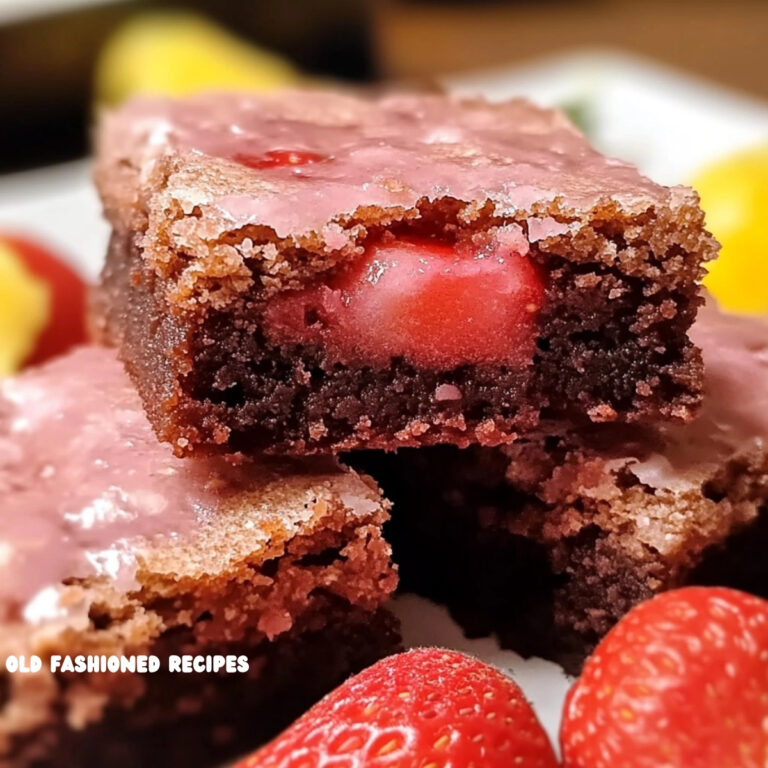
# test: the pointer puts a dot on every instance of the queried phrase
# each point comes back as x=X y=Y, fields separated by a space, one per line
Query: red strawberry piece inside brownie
x=435 y=305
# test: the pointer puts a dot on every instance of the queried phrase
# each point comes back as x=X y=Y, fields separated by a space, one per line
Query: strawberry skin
x=66 y=322
x=680 y=682
x=427 y=708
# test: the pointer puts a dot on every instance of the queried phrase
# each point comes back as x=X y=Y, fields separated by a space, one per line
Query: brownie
x=111 y=545
x=311 y=271
x=548 y=542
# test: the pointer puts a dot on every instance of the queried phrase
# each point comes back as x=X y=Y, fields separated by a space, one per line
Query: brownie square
x=110 y=545
x=548 y=542
x=312 y=272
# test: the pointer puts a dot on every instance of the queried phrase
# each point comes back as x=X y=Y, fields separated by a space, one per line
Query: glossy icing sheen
x=734 y=418
x=388 y=152
x=82 y=477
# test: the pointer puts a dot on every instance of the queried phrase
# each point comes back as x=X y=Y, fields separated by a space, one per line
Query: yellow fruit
x=178 y=53
x=734 y=195
x=24 y=310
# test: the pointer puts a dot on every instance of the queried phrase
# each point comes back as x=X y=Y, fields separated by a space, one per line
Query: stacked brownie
x=312 y=272
x=303 y=273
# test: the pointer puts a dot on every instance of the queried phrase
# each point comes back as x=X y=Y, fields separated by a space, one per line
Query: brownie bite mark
x=111 y=545
x=549 y=541
x=305 y=271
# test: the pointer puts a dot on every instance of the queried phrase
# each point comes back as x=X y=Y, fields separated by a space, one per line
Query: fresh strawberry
x=65 y=323
x=427 y=708
x=277 y=158
x=680 y=682
x=438 y=305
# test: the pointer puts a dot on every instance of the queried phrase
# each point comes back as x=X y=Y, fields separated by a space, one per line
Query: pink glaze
x=734 y=419
x=437 y=305
x=82 y=478
x=391 y=152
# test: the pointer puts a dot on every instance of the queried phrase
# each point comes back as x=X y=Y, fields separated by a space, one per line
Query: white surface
x=668 y=124
x=24 y=10
x=544 y=683
x=58 y=206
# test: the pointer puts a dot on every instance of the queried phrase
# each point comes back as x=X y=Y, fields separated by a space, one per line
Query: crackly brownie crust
x=295 y=605
x=189 y=274
x=605 y=351
x=549 y=541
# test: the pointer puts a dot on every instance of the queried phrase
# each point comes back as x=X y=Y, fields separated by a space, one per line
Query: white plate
x=667 y=123
x=12 y=11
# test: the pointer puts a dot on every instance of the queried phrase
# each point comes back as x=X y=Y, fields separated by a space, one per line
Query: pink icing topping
x=82 y=477
x=388 y=152
x=734 y=418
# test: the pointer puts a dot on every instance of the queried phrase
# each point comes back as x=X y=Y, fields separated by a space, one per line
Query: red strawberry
x=278 y=158
x=680 y=682
x=427 y=708
x=436 y=304
x=66 y=323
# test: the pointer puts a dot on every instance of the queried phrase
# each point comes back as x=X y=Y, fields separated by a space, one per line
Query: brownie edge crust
x=214 y=382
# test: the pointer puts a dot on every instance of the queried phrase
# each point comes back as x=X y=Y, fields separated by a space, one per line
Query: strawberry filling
x=278 y=158
x=435 y=304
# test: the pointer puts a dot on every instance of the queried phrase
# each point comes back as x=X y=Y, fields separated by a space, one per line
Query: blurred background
x=679 y=87
x=59 y=57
